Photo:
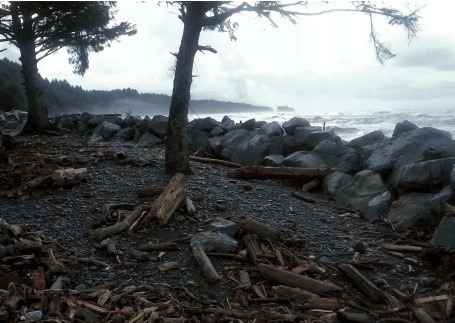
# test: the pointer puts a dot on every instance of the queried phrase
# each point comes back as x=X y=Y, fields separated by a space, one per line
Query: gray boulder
x=402 y=127
x=271 y=129
x=226 y=121
x=205 y=124
x=437 y=203
x=243 y=147
x=70 y=122
x=452 y=179
x=426 y=175
x=11 y=125
x=107 y=129
x=215 y=147
x=364 y=186
x=273 y=160
x=314 y=138
x=248 y=125
x=213 y=241
x=124 y=135
x=259 y=124
x=297 y=141
x=295 y=122
x=2 y=118
x=17 y=115
x=443 y=151
x=334 y=181
x=148 y=139
x=132 y=120
x=276 y=145
x=95 y=138
x=95 y=120
x=198 y=140
x=410 y=210
x=218 y=131
x=226 y=227
x=405 y=148
x=158 y=126
x=378 y=206
x=445 y=233
x=367 y=139
x=289 y=145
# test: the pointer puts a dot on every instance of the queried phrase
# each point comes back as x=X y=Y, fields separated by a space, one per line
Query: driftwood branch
x=259 y=172
x=103 y=233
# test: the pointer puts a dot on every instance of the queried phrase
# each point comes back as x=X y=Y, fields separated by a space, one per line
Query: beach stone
x=293 y=123
x=402 y=127
x=271 y=129
x=446 y=195
x=410 y=210
x=367 y=139
x=378 y=206
x=248 y=125
x=334 y=181
x=213 y=242
x=158 y=126
x=226 y=227
x=314 y=138
x=147 y=139
x=426 y=175
x=445 y=233
x=405 y=148
x=227 y=121
x=218 y=131
x=443 y=151
x=215 y=147
x=276 y=145
x=198 y=140
x=106 y=129
x=124 y=135
x=360 y=190
x=132 y=120
x=273 y=160
x=205 y=124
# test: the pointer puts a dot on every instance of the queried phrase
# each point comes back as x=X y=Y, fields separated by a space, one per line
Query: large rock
x=402 y=127
x=215 y=147
x=443 y=151
x=410 y=210
x=300 y=139
x=437 y=203
x=364 y=186
x=106 y=129
x=248 y=125
x=295 y=122
x=205 y=124
x=378 y=206
x=218 y=131
x=198 y=140
x=124 y=135
x=367 y=139
x=426 y=175
x=147 y=139
x=405 y=148
x=244 y=147
x=158 y=126
x=70 y=122
x=2 y=118
x=334 y=181
x=314 y=138
x=17 y=115
x=96 y=120
x=273 y=160
x=445 y=233
x=276 y=145
x=271 y=129
x=213 y=242
x=452 y=179
x=326 y=154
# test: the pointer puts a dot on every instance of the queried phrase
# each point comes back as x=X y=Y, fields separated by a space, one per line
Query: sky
x=324 y=63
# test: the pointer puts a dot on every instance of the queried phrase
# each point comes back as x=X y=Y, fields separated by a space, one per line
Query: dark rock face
x=276 y=145
x=445 y=233
x=452 y=179
x=402 y=127
x=198 y=140
x=366 y=140
x=147 y=139
x=314 y=138
x=106 y=129
x=437 y=203
x=333 y=182
x=124 y=135
x=364 y=186
x=291 y=125
x=158 y=126
x=205 y=124
x=411 y=209
x=248 y=125
x=271 y=129
x=273 y=160
x=405 y=148
x=244 y=147
x=444 y=151
x=378 y=206
x=424 y=175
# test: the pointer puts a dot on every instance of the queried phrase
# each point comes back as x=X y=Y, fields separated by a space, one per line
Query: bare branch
x=207 y=48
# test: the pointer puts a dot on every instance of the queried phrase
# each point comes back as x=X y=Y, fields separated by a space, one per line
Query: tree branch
x=207 y=48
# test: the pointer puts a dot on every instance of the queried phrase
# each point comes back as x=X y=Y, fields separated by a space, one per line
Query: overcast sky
x=324 y=63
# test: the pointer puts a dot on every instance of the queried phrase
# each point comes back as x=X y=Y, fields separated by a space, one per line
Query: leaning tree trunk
x=177 y=140
x=37 y=121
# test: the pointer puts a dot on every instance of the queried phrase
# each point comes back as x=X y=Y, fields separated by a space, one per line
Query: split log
x=303 y=197
x=206 y=265
x=259 y=172
x=311 y=184
x=260 y=229
x=108 y=209
x=244 y=279
x=158 y=247
x=296 y=293
x=329 y=304
x=190 y=209
x=168 y=201
x=363 y=283
x=216 y=161
x=402 y=248
x=37 y=182
x=422 y=316
x=294 y=280
x=252 y=246
x=103 y=233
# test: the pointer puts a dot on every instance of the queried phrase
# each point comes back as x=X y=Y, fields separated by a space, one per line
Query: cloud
x=438 y=58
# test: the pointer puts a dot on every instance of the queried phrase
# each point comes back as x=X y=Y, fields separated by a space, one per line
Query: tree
x=39 y=29
x=211 y=15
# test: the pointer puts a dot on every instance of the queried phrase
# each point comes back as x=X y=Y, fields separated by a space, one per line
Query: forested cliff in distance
x=60 y=97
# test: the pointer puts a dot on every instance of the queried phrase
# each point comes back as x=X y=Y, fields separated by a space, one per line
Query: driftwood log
x=290 y=279
x=158 y=247
x=216 y=161
x=260 y=229
x=206 y=265
x=103 y=233
x=259 y=172
x=375 y=294
x=253 y=248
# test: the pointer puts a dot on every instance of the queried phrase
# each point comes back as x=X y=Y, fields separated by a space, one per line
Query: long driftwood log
x=375 y=294
x=103 y=233
x=294 y=280
x=260 y=229
x=216 y=161
x=206 y=265
x=259 y=172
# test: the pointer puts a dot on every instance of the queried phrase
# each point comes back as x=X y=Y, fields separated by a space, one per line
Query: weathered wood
x=402 y=248
x=168 y=201
x=16 y=230
x=13 y=297
x=244 y=279
x=252 y=246
x=190 y=209
x=294 y=280
x=259 y=172
x=362 y=283
x=311 y=184
x=149 y=191
x=158 y=246
x=293 y=292
x=329 y=304
x=260 y=229
x=303 y=197
x=354 y=317
x=222 y=311
x=206 y=265
x=422 y=316
x=103 y=233
x=216 y=161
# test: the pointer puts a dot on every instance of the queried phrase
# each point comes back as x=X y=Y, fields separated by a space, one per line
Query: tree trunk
x=177 y=141
x=37 y=121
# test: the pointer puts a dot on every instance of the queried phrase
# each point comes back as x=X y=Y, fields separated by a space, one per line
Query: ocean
x=352 y=124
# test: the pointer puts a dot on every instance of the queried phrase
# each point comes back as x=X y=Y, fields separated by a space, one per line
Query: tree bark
x=177 y=141
x=37 y=121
